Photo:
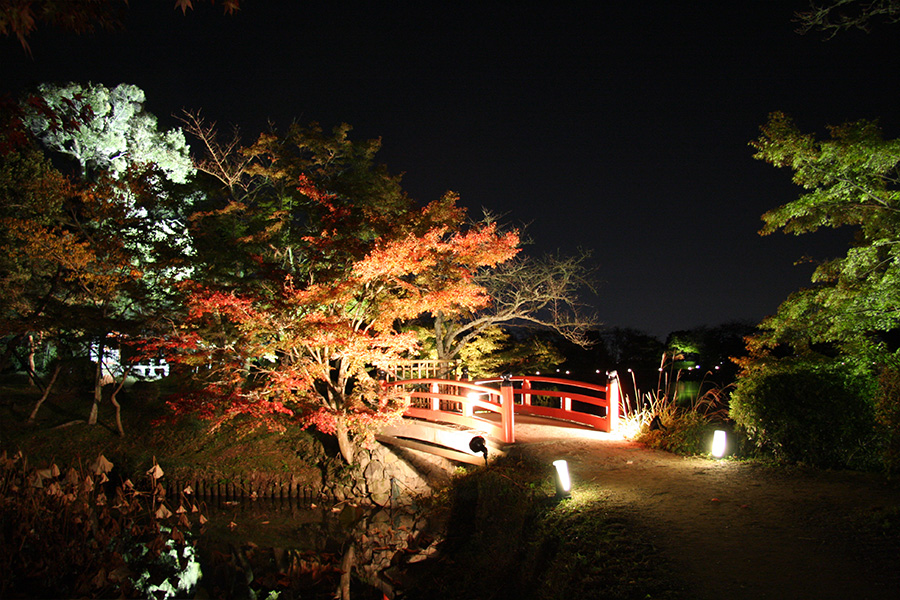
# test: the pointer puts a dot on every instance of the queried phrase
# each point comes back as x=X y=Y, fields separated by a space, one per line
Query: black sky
x=620 y=127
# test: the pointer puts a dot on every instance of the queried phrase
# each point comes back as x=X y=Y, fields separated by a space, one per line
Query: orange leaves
x=398 y=258
x=311 y=341
x=431 y=272
x=236 y=309
x=486 y=247
x=455 y=255
x=309 y=189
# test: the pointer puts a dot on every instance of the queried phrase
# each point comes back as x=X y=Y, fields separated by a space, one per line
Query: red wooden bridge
x=444 y=415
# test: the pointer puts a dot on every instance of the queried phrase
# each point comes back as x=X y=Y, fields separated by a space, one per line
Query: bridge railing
x=577 y=401
x=478 y=404
x=460 y=403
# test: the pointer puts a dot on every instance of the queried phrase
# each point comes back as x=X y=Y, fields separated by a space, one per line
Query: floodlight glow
x=563 y=483
x=718 y=445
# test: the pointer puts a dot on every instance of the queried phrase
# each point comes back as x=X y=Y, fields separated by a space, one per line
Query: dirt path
x=735 y=530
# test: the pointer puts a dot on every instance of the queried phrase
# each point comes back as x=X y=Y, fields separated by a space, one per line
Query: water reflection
x=270 y=549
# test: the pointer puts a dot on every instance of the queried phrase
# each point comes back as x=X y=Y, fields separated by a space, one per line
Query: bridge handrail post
x=612 y=397
x=435 y=401
x=507 y=411
x=526 y=391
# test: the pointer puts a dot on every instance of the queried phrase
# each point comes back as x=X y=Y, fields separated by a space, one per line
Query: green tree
x=96 y=250
x=107 y=130
x=495 y=351
x=851 y=180
x=830 y=346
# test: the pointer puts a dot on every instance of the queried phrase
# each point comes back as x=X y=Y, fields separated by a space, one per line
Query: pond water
x=270 y=549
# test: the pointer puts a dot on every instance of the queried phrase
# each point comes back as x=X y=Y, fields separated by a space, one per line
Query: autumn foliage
x=309 y=342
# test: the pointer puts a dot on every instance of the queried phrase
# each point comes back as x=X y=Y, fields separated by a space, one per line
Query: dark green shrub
x=811 y=414
x=887 y=417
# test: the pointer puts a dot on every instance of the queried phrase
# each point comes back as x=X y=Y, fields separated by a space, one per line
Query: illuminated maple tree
x=325 y=272
x=314 y=348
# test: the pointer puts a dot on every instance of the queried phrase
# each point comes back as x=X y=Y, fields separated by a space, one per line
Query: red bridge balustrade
x=492 y=405
x=461 y=403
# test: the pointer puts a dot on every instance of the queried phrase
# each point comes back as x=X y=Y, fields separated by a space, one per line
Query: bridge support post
x=507 y=410
x=612 y=397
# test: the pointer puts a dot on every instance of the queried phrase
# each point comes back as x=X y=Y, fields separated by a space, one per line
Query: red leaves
x=308 y=343
x=229 y=305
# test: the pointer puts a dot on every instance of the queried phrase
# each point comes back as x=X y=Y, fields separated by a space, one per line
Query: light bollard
x=719 y=443
x=563 y=482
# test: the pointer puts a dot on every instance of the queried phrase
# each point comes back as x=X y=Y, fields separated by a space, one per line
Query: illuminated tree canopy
x=327 y=260
x=850 y=180
x=108 y=130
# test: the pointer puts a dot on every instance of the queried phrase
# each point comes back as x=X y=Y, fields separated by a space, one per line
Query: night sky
x=621 y=128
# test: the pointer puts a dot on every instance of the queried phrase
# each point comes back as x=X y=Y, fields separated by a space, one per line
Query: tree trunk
x=46 y=393
x=30 y=360
x=98 y=383
x=346 y=445
x=115 y=402
x=347 y=563
x=439 y=335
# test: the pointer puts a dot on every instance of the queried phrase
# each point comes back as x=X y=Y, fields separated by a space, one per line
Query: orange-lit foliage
x=311 y=342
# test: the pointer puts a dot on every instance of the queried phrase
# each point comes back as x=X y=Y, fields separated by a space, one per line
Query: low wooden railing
x=577 y=401
x=479 y=404
x=460 y=403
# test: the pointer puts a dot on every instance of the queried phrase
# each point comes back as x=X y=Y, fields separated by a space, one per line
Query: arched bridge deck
x=444 y=415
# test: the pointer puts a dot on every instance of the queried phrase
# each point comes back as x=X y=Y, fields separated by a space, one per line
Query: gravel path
x=736 y=530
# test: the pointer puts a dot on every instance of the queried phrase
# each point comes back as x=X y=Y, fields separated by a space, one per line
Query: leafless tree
x=835 y=16
x=222 y=160
x=526 y=293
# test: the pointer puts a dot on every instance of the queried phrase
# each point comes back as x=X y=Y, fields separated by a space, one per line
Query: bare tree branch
x=526 y=293
x=222 y=159
x=842 y=15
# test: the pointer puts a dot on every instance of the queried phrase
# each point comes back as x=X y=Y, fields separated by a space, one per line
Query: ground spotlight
x=718 y=445
x=563 y=483
x=477 y=444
